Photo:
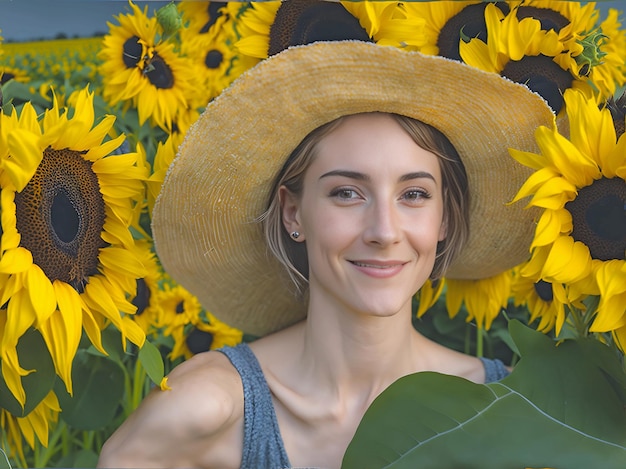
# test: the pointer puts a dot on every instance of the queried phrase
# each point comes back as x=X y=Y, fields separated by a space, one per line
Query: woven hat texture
x=204 y=222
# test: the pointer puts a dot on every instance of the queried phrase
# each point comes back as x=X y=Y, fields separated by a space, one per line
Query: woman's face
x=371 y=214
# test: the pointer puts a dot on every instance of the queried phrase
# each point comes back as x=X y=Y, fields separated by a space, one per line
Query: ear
x=290 y=210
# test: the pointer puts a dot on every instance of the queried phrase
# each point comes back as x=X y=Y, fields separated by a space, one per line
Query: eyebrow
x=364 y=177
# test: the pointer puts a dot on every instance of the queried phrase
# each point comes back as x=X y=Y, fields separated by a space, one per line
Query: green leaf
x=4 y=460
x=152 y=361
x=557 y=409
x=81 y=458
x=98 y=389
x=33 y=355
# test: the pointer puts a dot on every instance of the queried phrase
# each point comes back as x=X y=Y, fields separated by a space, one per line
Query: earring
x=295 y=234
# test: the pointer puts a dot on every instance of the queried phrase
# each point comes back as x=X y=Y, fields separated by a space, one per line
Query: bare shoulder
x=189 y=425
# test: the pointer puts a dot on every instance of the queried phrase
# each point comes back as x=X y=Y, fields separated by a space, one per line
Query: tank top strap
x=262 y=443
x=494 y=369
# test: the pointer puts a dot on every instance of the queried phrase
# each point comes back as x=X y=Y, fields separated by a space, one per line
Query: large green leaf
x=98 y=389
x=4 y=460
x=563 y=406
x=33 y=355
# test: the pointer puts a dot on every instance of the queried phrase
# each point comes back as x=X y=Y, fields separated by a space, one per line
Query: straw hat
x=204 y=223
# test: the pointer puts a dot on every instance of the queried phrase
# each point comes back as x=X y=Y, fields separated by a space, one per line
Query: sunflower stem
x=138 y=384
x=579 y=323
x=479 y=342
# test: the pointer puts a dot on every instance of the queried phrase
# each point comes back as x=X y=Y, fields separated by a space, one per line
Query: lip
x=378 y=268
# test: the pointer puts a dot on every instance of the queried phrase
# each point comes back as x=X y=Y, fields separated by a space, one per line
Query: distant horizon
x=36 y=20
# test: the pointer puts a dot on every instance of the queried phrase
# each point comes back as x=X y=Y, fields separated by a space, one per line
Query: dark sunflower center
x=214 y=11
x=549 y=19
x=300 y=22
x=64 y=217
x=198 y=341
x=60 y=216
x=599 y=218
x=142 y=299
x=159 y=73
x=132 y=52
x=544 y=290
x=542 y=75
x=468 y=23
x=213 y=59
x=5 y=77
x=180 y=307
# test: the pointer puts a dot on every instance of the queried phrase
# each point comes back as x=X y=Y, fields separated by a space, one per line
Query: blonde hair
x=455 y=197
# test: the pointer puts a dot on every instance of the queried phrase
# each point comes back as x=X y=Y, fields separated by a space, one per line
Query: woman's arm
x=198 y=423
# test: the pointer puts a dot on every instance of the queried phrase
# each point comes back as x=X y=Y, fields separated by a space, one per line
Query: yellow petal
x=568 y=261
x=123 y=261
x=16 y=260
x=26 y=154
x=551 y=225
x=91 y=327
x=20 y=317
x=12 y=373
x=41 y=293
x=133 y=332
x=62 y=331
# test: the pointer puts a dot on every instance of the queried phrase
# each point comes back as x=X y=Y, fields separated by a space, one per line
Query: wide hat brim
x=205 y=224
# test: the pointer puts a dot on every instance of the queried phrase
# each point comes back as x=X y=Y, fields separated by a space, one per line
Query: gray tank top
x=263 y=446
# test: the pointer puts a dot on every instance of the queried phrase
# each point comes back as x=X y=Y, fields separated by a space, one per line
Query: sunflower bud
x=170 y=19
x=591 y=54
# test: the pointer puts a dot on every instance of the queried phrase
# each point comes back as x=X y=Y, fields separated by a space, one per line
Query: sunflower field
x=90 y=323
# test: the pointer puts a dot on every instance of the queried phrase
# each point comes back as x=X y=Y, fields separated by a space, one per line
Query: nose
x=382 y=226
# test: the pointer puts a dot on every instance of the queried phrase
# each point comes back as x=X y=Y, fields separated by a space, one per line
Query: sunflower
x=203 y=334
x=580 y=184
x=202 y=17
x=266 y=28
x=170 y=86
x=165 y=153
x=65 y=258
x=523 y=52
x=545 y=301
x=212 y=54
x=611 y=278
x=147 y=314
x=36 y=424
x=124 y=54
x=151 y=76
x=178 y=308
x=445 y=23
x=612 y=69
x=598 y=50
x=484 y=299
x=12 y=73
x=428 y=295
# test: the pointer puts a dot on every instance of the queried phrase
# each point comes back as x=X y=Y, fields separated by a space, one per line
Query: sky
x=24 y=20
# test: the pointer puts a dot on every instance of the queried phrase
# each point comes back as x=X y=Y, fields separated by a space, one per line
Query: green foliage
x=4 y=460
x=150 y=358
x=566 y=402
x=33 y=355
x=98 y=389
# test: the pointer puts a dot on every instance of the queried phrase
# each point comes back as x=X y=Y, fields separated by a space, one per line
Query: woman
x=354 y=161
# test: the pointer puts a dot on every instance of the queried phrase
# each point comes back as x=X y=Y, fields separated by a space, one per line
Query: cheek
x=427 y=232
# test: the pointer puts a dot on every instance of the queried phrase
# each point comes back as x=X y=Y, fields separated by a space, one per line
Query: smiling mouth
x=377 y=266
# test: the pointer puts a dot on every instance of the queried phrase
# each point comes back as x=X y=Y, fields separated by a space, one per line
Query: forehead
x=372 y=138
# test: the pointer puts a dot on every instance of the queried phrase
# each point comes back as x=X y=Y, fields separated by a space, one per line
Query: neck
x=351 y=351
